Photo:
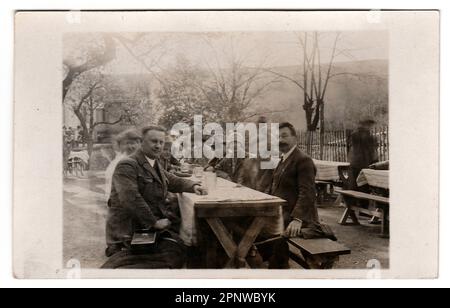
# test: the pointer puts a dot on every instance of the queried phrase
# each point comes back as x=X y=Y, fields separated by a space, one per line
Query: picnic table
x=328 y=170
x=378 y=180
x=327 y=176
x=374 y=178
x=229 y=200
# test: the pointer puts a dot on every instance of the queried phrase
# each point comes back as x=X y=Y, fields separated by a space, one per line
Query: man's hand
x=162 y=224
x=199 y=190
x=294 y=229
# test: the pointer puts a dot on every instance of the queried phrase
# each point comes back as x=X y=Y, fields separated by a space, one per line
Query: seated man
x=236 y=169
x=294 y=181
x=139 y=190
x=168 y=161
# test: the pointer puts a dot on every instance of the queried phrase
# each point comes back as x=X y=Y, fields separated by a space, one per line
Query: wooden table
x=378 y=180
x=375 y=178
x=229 y=201
x=327 y=176
x=328 y=170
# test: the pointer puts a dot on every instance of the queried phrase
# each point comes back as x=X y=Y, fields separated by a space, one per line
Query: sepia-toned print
x=226 y=144
x=226 y=150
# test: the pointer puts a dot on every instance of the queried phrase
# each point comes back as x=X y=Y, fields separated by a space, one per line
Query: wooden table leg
x=249 y=237
x=236 y=253
x=225 y=239
x=385 y=223
x=211 y=253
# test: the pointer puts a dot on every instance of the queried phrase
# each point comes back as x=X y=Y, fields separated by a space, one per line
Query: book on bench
x=144 y=239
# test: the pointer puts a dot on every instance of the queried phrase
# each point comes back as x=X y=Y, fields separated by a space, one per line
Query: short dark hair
x=158 y=128
x=290 y=126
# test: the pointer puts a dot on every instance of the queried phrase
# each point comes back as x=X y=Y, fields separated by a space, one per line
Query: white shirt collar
x=286 y=156
x=150 y=161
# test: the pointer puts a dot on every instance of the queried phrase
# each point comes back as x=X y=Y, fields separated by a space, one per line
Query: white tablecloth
x=226 y=192
x=375 y=178
x=328 y=170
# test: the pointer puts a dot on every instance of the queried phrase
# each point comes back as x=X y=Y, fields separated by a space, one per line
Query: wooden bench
x=381 y=211
x=319 y=253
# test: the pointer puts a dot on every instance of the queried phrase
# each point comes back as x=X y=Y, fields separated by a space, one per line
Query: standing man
x=139 y=189
x=362 y=150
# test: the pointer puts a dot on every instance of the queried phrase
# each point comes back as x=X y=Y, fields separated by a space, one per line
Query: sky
x=255 y=48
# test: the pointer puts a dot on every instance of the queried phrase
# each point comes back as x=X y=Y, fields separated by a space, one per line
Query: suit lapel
x=161 y=175
x=146 y=165
x=281 y=169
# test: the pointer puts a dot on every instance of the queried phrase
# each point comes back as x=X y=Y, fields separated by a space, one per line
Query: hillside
x=364 y=92
x=348 y=98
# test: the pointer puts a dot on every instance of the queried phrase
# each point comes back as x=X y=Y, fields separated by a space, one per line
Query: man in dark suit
x=294 y=181
x=139 y=190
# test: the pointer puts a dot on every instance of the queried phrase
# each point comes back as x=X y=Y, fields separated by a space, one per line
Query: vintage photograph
x=226 y=150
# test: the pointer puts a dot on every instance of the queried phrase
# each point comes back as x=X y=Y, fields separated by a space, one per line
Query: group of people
x=73 y=136
x=141 y=182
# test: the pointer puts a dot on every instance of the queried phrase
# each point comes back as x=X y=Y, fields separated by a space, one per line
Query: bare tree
x=315 y=76
x=145 y=51
x=233 y=87
x=88 y=97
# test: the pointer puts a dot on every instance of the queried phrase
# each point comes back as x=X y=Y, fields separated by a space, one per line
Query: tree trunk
x=86 y=132
x=322 y=129
x=309 y=111
x=90 y=149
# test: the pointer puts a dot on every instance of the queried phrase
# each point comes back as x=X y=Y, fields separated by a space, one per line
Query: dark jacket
x=138 y=196
x=294 y=181
x=229 y=168
x=362 y=149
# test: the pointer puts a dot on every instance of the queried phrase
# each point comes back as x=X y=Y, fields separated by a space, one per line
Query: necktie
x=281 y=161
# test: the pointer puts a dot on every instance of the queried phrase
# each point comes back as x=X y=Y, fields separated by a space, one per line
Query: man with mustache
x=139 y=190
x=294 y=181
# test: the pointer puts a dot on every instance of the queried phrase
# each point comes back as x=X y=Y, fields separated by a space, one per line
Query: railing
x=335 y=145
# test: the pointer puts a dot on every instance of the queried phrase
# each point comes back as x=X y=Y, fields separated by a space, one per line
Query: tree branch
x=286 y=77
x=108 y=123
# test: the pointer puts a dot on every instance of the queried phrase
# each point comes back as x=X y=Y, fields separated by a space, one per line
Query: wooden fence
x=335 y=144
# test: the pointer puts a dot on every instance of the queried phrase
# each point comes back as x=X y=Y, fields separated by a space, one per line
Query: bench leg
x=296 y=255
x=321 y=262
x=338 y=200
x=349 y=213
x=384 y=224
